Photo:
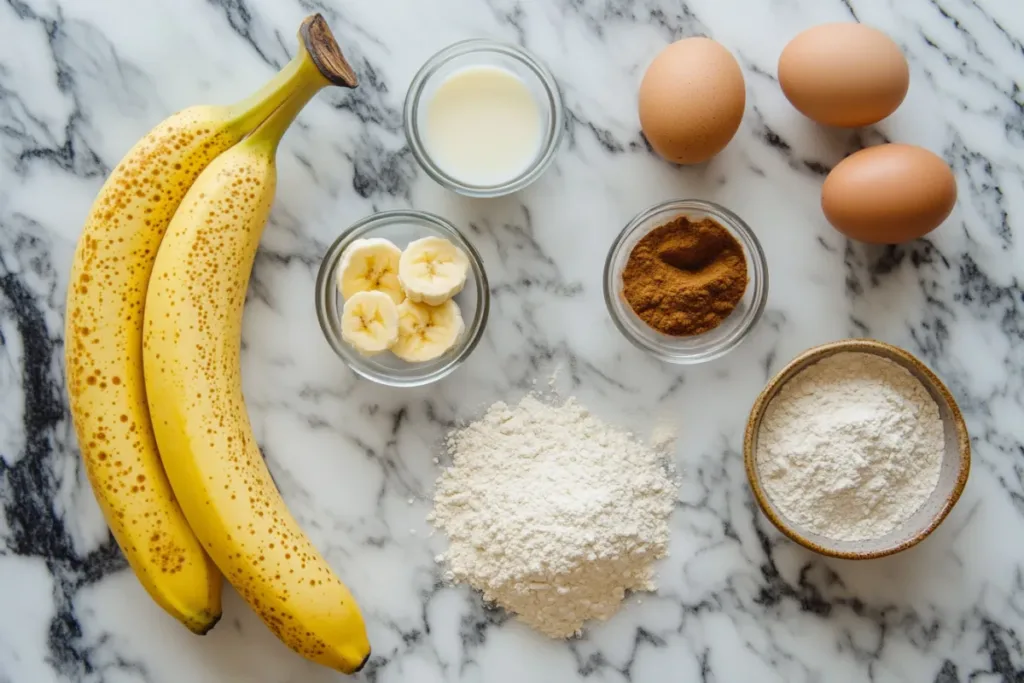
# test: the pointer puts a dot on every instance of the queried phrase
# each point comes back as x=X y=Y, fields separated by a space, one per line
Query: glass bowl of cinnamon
x=686 y=281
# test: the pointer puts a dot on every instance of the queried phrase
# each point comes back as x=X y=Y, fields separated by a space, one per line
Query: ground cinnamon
x=685 y=277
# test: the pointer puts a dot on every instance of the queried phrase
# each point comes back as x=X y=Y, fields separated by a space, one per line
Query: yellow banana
x=104 y=315
x=191 y=347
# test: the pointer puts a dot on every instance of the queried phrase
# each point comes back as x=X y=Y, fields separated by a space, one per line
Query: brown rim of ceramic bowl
x=814 y=355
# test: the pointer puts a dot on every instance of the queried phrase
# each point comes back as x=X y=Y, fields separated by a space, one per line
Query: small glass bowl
x=713 y=343
x=468 y=53
x=402 y=227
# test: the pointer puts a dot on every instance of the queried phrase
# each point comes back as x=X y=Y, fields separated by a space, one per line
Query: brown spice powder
x=685 y=277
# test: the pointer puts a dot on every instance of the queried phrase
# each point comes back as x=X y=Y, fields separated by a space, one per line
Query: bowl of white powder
x=856 y=450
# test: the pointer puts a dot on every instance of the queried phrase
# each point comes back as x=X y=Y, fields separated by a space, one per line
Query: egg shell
x=691 y=100
x=888 y=194
x=844 y=74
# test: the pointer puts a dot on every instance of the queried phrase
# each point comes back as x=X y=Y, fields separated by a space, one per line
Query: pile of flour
x=551 y=513
x=850 y=447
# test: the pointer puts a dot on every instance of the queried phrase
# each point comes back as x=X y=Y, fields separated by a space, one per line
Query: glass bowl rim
x=553 y=134
x=326 y=287
x=758 y=278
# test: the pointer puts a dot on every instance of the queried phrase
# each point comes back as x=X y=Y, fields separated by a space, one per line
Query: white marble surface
x=81 y=80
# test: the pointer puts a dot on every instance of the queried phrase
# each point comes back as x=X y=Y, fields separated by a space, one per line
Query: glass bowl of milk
x=484 y=119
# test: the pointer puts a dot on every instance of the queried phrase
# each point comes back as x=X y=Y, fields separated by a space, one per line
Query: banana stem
x=316 y=36
x=317 y=51
x=248 y=113
x=308 y=83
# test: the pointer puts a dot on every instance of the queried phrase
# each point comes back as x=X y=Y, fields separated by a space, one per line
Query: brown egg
x=888 y=194
x=691 y=100
x=844 y=74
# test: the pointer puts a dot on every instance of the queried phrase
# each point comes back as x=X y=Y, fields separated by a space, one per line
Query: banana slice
x=369 y=322
x=432 y=270
x=371 y=265
x=426 y=332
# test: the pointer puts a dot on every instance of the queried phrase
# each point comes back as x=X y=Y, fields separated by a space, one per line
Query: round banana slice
x=432 y=270
x=426 y=332
x=369 y=322
x=369 y=265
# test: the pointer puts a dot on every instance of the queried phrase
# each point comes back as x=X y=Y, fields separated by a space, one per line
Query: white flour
x=851 y=447
x=552 y=514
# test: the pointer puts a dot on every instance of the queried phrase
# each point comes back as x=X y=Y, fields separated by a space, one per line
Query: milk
x=483 y=126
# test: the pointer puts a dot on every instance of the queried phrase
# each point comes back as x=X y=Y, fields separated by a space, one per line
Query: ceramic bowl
x=956 y=461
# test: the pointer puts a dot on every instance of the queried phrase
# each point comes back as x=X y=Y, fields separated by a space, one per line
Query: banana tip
x=362 y=663
x=201 y=629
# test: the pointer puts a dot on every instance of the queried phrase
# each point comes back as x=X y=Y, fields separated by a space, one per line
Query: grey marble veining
x=81 y=81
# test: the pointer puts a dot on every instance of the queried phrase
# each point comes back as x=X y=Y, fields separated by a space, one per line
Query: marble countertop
x=81 y=81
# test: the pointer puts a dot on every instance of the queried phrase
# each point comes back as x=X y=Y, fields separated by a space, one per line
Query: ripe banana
x=432 y=270
x=369 y=322
x=370 y=265
x=425 y=332
x=103 y=355
x=191 y=348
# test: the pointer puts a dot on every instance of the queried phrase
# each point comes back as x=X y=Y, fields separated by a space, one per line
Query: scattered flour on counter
x=552 y=514
x=850 y=447
x=664 y=436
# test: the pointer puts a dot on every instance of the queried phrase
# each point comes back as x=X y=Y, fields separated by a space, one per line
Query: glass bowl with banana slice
x=402 y=298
